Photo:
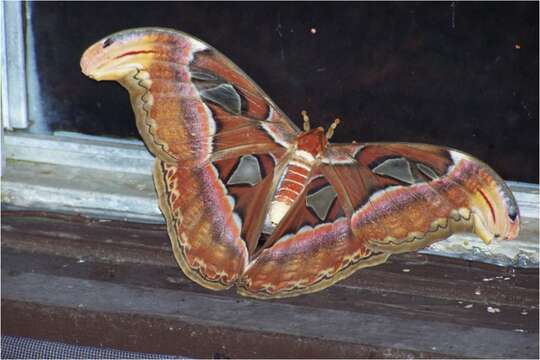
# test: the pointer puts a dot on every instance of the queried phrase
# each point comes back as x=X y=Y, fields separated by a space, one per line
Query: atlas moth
x=252 y=201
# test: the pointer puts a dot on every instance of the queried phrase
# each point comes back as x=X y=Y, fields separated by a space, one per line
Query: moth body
x=295 y=177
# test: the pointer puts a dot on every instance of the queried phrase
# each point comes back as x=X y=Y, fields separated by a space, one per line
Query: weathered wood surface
x=116 y=284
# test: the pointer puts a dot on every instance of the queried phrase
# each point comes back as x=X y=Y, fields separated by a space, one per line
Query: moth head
x=120 y=55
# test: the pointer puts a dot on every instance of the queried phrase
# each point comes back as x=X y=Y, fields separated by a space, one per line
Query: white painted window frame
x=12 y=62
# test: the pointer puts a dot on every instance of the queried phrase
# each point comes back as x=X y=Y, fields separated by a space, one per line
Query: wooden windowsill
x=116 y=284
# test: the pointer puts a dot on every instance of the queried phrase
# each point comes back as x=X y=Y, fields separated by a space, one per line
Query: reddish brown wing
x=406 y=196
x=191 y=103
x=217 y=138
x=386 y=198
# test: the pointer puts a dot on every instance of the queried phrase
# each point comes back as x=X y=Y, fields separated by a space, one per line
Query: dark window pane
x=464 y=76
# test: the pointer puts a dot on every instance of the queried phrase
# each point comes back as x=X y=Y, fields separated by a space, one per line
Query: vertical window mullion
x=13 y=64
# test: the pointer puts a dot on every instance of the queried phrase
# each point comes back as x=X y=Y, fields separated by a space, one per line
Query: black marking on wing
x=108 y=43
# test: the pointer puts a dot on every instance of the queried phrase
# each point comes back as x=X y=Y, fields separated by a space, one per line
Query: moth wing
x=404 y=197
x=384 y=198
x=191 y=103
x=216 y=136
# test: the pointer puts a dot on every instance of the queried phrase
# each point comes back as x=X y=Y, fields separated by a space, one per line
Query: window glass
x=458 y=74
